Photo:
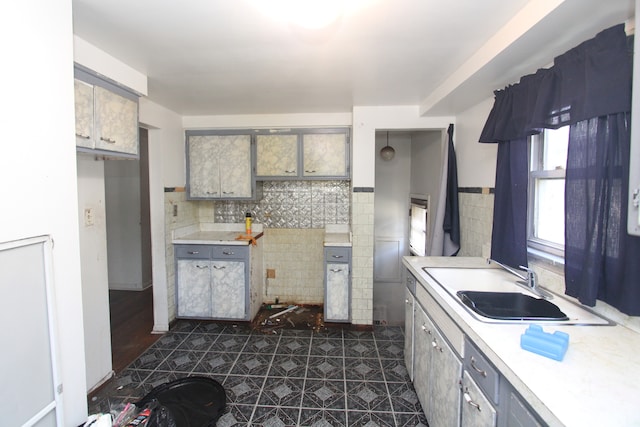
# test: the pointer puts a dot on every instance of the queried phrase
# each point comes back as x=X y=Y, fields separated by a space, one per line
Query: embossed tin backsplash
x=292 y=204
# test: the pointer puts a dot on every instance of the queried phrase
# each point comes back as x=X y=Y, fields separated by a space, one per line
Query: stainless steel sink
x=494 y=307
x=511 y=306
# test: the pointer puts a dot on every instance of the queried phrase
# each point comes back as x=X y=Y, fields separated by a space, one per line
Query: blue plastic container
x=551 y=345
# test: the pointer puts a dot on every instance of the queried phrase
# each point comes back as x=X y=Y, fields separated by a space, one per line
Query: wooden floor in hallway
x=131 y=325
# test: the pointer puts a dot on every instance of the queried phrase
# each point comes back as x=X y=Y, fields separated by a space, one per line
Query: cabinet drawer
x=337 y=254
x=482 y=371
x=229 y=252
x=193 y=251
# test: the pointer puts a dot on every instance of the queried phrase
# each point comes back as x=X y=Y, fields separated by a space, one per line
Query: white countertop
x=215 y=234
x=337 y=235
x=596 y=384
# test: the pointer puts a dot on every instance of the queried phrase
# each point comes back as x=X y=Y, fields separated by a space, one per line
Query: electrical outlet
x=88 y=217
x=271 y=273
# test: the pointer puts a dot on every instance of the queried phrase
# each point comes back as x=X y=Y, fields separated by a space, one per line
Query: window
x=548 y=160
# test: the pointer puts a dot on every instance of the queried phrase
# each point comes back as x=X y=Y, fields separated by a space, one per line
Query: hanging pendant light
x=387 y=152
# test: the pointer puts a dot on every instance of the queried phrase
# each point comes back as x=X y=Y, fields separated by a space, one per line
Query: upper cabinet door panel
x=204 y=166
x=277 y=155
x=84 y=113
x=235 y=166
x=325 y=154
x=116 y=122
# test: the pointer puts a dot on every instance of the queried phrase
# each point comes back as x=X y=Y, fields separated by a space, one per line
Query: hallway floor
x=335 y=377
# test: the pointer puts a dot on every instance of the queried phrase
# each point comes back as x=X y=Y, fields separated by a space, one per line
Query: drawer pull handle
x=228 y=192
x=202 y=267
x=290 y=171
x=193 y=252
x=424 y=328
x=228 y=253
x=478 y=370
x=219 y=267
x=406 y=301
x=79 y=135
x=310 y=171
x=336 y=270
x=467 y=398
x=337 y=256
x=107 y=140
x=435 y=345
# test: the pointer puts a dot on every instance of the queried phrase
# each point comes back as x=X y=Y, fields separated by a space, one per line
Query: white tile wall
x=476 y=222
x=362 y=259
x=296 y=255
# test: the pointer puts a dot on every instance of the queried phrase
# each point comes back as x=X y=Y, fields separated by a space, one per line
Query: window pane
x=555 y=148
x=550 y=210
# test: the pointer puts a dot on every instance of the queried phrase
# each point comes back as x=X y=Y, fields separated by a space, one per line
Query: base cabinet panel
x=476 y=411
x=337 y=284
x=208 y=287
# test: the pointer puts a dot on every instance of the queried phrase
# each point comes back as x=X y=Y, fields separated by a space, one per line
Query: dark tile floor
x=337 y=377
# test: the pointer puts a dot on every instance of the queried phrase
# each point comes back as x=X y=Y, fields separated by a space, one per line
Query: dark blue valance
x=591 y=80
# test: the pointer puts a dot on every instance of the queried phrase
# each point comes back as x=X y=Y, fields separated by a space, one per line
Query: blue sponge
x=553 y=346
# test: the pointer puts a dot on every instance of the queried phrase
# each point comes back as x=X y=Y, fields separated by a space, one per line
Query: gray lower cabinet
x=437 y=371
x=409 y=301
x=212 y=281
x=337 y=284
x=476 y=411
x=489 y=399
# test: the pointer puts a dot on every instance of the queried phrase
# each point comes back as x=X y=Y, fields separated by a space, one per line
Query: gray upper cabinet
x=106 y=117
x=277 y=156
x=219 y=166
x=325 y=155
x=303 y=154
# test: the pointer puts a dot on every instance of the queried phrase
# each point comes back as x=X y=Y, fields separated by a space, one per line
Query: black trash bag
x=186 y=402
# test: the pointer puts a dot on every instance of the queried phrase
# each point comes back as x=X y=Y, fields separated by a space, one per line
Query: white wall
x=38 y=166
x=166 y=169
x=124 y=224
x=476 y=161
x=95 y=285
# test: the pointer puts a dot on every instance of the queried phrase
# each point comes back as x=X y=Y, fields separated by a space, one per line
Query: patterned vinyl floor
x=337 y=377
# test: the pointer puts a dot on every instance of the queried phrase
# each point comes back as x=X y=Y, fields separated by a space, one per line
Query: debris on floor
x=273 y=317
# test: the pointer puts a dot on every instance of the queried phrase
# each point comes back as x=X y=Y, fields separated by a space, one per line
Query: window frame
x=535 y=245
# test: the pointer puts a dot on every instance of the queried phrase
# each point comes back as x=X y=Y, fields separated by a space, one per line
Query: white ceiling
x=205 y=57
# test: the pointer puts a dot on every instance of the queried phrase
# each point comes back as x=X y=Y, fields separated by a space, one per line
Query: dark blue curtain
x=589 y=88
x=509 y=234
x=451 y=224
x=601 y=260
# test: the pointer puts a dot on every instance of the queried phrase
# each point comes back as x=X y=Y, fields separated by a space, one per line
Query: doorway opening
x=129 y=256
x=415 y=171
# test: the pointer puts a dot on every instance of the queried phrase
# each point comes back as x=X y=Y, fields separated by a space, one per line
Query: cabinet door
x=194 y=288
x=235 y=166
x=204 y=166
x=476 y=409
x=408 y=332
x=337 y=292
x=446 y=370
x=228 y=284
x=325 y=154
x=84 y=113
x=277 y=155
x=424 y=329
x=116 y=122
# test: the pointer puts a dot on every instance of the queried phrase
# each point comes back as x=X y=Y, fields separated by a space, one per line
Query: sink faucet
x=530 y=281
